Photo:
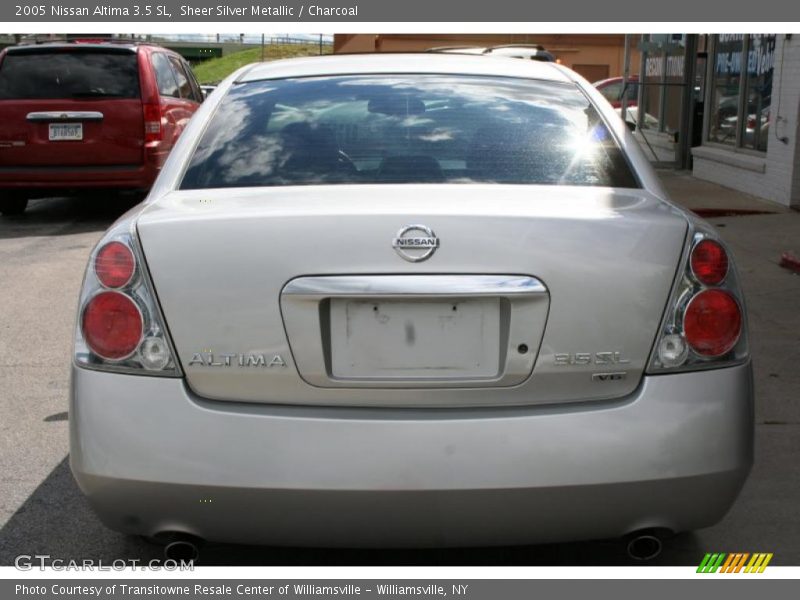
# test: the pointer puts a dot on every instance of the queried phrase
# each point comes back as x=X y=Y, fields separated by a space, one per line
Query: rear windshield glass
x=406 y=129
x=68 y=74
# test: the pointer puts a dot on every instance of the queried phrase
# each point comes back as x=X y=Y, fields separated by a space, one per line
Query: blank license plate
x=415 y=339
x=60 y=132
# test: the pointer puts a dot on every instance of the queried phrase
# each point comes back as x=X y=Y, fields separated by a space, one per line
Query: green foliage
x=215 y=70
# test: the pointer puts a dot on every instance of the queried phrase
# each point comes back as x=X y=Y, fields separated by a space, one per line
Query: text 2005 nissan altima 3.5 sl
x=409 y=300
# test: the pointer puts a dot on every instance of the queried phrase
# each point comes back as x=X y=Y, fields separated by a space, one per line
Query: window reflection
x=725 y=89
x=758 y=91
x=406 y=129
x=742 y=90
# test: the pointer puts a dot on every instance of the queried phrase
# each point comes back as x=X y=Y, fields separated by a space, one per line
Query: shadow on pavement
x=57 y=521
x=66 y=215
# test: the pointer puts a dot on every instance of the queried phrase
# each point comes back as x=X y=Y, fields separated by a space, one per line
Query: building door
x=666 y=98
x=699 y=92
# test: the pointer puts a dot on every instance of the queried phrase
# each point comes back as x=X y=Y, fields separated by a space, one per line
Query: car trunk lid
x=297 y=295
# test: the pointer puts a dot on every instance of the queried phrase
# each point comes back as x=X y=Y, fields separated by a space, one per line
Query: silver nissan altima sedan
x=410 y=300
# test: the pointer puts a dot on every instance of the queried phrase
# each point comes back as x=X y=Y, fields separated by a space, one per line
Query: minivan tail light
x=152 y=122
x=704 y=324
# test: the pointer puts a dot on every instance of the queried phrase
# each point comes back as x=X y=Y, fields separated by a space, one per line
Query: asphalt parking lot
x=42 y=258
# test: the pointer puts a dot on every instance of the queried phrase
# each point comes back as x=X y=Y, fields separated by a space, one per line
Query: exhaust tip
x=644 y=547
x=182 y=550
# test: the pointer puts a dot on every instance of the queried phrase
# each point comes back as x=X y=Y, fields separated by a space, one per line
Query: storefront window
x=662 y=94
x=724 y=103
x=742 y=82
x=674 y=85
x=651 y=92
x=760 y=62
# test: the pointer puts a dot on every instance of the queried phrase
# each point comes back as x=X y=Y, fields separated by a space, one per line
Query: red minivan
x=612 y=89
x=96 y=115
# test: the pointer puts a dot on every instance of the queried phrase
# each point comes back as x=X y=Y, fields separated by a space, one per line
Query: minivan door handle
x=65 y=115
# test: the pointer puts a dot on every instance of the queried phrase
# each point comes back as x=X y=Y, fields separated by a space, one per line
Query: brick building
x=595 y=56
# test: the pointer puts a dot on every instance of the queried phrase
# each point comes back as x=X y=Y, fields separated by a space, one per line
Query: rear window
x=612 y=92
x=69 y=74
x=165 y=77
x=406 y=129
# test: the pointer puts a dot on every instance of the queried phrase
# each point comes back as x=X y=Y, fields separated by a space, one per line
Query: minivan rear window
x=69 y=74
x=406 y=129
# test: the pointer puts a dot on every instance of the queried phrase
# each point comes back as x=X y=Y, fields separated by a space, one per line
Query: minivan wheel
x=13 y=205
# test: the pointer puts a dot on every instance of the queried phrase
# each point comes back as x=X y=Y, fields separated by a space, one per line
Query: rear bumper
x=45 y=180
x=151 y=457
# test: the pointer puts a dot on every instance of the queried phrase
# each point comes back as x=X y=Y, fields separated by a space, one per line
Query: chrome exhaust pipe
x=644 y=547
x=182 y=549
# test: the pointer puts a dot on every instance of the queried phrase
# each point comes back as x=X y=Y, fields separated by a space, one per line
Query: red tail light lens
x=712 y=323
x=709 y=262
x=112 y=325
x=152 y=122
x=120 y=328
x=114 y=265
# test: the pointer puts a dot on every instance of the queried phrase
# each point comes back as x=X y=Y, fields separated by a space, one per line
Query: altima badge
x=207 y=359
x=415 y=243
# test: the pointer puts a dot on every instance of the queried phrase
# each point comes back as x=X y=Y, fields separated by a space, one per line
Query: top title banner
x=247 y=11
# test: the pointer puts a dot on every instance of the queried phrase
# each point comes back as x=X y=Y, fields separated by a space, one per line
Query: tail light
x=114 y=265
x=120 y=327
x=112 y=325
x=712 y=323
x=704 y=325
x=152 y=122
x=709 y=262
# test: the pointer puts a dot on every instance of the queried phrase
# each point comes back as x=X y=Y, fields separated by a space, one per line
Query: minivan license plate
x=60 y=132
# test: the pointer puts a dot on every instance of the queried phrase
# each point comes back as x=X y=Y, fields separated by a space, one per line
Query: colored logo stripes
x=734 y=562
